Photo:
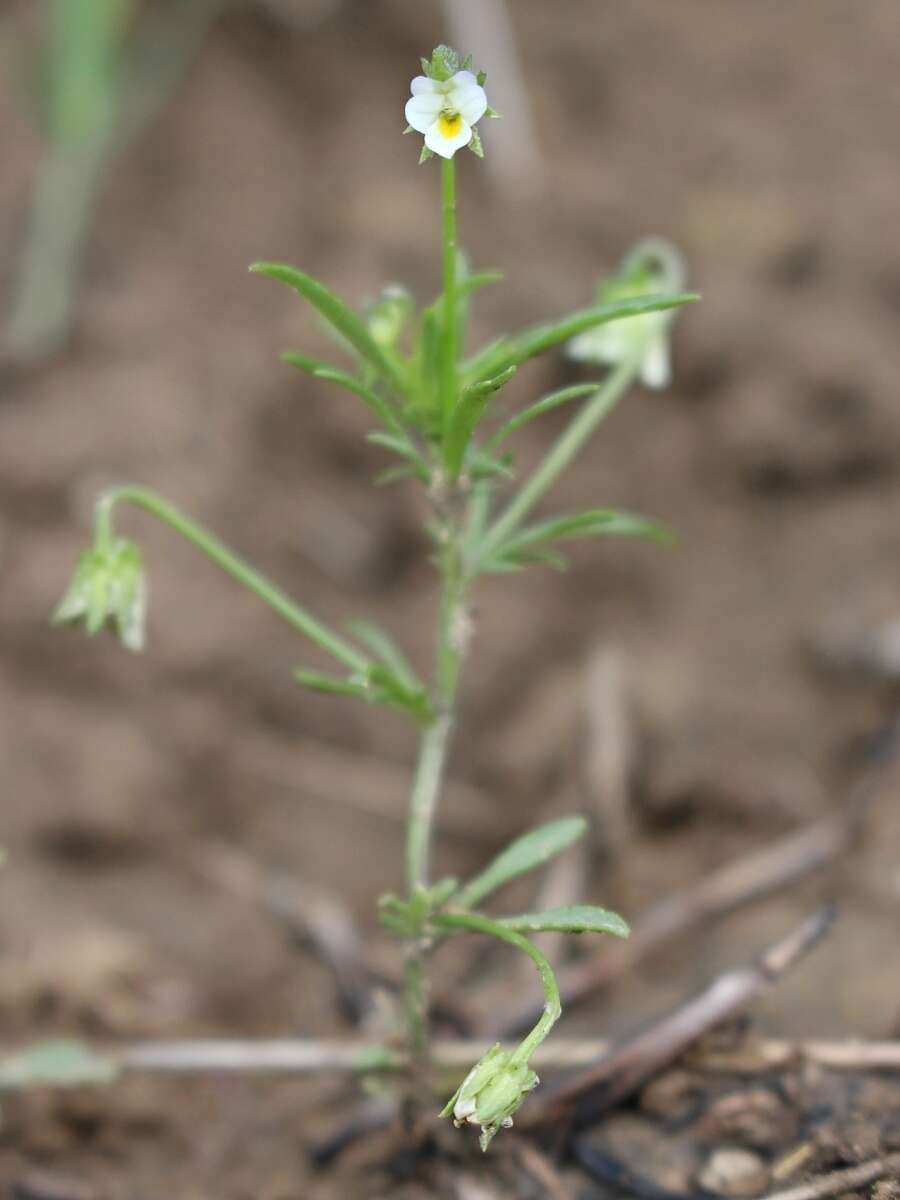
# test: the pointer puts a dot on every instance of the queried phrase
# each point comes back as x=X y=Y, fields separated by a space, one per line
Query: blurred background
x=700 y=703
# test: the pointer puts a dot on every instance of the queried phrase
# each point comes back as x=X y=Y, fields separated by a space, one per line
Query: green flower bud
x=491 y=1092
x=108 y=586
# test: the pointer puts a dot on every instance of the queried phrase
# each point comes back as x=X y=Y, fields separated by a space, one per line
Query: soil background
x=758 y=656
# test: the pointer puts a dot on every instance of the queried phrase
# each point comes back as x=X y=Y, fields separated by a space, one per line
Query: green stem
x=429 y=778
x=449 y=344
x=562 y=452
x=475 y=923
x=423 y=803
x=297 y=617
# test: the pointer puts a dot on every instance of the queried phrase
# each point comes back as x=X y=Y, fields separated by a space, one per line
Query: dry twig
x=837 y=1182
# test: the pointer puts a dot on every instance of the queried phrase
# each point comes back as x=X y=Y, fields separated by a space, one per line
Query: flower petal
x=462 y=78
x=446 y=147
x=468 y=99
x=656 y=370
x=422 y=84
x=422 y=110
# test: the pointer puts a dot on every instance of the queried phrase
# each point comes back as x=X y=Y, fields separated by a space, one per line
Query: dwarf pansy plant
x=441 y=422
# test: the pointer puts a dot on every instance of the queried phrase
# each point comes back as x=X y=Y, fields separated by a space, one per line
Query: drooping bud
x=108 y=586
x=491 y=1092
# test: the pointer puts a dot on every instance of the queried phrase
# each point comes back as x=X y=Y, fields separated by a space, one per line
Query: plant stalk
x=429 y=778
x=561 y=453
x=449 y=345
x=297 y=617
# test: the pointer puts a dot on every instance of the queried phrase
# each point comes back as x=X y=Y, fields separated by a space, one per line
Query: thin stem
x=426 y=788
x=298 y=618
x=449 y=344
x=475 y=923
x=562 y=452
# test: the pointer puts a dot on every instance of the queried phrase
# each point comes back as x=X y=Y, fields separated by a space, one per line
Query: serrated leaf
x=62 y=1063
x=530 y=850
x=515 y=350
x=575 y=918
x=544 y=405
x=339 y=315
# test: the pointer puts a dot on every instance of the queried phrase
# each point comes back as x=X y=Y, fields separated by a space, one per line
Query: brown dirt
x=762 y=138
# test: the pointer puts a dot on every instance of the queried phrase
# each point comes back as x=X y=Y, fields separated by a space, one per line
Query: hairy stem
x=298 y=618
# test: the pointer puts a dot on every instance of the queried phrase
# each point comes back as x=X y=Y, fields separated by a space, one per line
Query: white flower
x=615 y=341
x=653 y=266
x=446 y=110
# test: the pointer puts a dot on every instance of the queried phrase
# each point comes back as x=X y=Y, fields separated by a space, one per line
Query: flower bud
x=491 y=1092
x=108 y=586
x=653 y=267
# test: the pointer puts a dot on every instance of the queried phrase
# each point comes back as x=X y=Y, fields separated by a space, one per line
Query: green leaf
x=387 y=688
x=62 y=1063
x=383 y=646
x=376 y=685
x=317 y=681
x=576 y=918
x=544 y=405
x=342 y=318
x=530 y=850
x=599 y=522
x=466 y=416
x=517 y=349
x=477 y=281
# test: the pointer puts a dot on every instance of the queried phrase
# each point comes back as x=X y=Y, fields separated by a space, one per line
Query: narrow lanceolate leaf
x=577 y=918
x=544 y=405
x=478 y=280
x=524 y=854
x=342 y=318
x=356 y=387
x=383 y=646
x=332 y=685
x=514 y=350
x=376 y=685
x=466 y=416
x=598 y=522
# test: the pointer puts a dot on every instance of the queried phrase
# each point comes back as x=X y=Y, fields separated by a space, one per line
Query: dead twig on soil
x=837 y=1182
x=287 y=1056
x=619 y=1073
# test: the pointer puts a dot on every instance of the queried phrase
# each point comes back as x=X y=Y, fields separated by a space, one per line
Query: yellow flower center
x=449 y=124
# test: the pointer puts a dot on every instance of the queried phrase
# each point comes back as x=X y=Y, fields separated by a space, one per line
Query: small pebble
x=734 y=1172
